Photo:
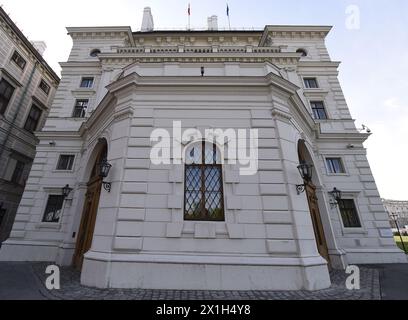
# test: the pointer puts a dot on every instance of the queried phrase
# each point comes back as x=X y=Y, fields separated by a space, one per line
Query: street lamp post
x=394 y=216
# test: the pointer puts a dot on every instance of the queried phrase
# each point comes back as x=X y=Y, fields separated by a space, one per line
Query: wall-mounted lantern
x=336 y=197
x=104 y=168
x=306 y=172
x=66 y=191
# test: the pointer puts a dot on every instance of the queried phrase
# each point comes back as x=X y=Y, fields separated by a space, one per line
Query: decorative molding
x=10 y=77
x=280 y=59
x=276 y=113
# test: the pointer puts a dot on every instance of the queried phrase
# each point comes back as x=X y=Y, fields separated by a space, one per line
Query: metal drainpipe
x=19 y=105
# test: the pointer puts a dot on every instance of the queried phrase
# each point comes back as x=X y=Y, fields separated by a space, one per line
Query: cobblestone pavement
x=72 y=290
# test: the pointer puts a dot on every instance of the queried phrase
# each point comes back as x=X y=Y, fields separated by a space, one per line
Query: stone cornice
x=291 y=32
x=80 y=64
x=195 y=55
x=125 y=60
x=343 y=136
x=102 y=32
x=318 y=64
x=72 y=135
x=228 y=81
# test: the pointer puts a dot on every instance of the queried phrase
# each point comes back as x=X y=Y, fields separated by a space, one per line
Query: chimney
x=147 y=23
x=212 y=22
x=40 y=46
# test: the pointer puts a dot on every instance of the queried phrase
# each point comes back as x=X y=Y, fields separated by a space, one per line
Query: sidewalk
x=18 y=282
x=394 y=281
x=23 y=281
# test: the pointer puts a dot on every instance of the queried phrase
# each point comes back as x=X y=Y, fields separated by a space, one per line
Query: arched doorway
x=89 y=213
x=312 y=199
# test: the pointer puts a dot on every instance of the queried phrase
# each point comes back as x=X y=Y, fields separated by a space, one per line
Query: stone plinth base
x=182 y=272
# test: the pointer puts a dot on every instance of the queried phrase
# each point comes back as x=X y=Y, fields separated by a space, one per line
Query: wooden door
x=317 y=222
x=87 y=226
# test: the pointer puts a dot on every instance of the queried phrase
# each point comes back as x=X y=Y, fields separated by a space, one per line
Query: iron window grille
x=53 y=209
x=349 y=213
x=203 y=194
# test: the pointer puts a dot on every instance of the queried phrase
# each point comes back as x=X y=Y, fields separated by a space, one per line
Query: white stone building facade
x=27 y=88
x=280 y=81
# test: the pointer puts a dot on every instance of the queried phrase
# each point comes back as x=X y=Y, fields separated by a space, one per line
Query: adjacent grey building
x=27 y=88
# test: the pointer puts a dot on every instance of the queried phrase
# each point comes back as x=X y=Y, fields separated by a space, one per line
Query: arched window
x=94 y=53
x=203 y=190
x=302 y=51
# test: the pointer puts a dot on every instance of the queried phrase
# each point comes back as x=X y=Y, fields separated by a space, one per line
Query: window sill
x=315 y=92
x=84 y=91
x=338 y=175
x=321 y=120
x=49 y=225
x=354 y=231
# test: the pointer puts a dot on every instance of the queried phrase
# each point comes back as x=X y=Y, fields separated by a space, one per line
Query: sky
x=374 y=54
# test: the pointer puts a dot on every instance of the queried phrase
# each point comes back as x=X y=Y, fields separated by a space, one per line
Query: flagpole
x=228 y=15
x=189 y=16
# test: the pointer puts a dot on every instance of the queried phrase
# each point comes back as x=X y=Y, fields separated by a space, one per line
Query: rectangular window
x=19 y=60
x=18 y=172
x=87 y=82
x=45 y=87
x=33 y=119
x=54 y=207
x=349 y=213
x=203 y=186
x=6 y=92
x=80 y=108
x=311 y=83
x=65 y=162
x=319 y=112
x=2 y=215
x=335 y=165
